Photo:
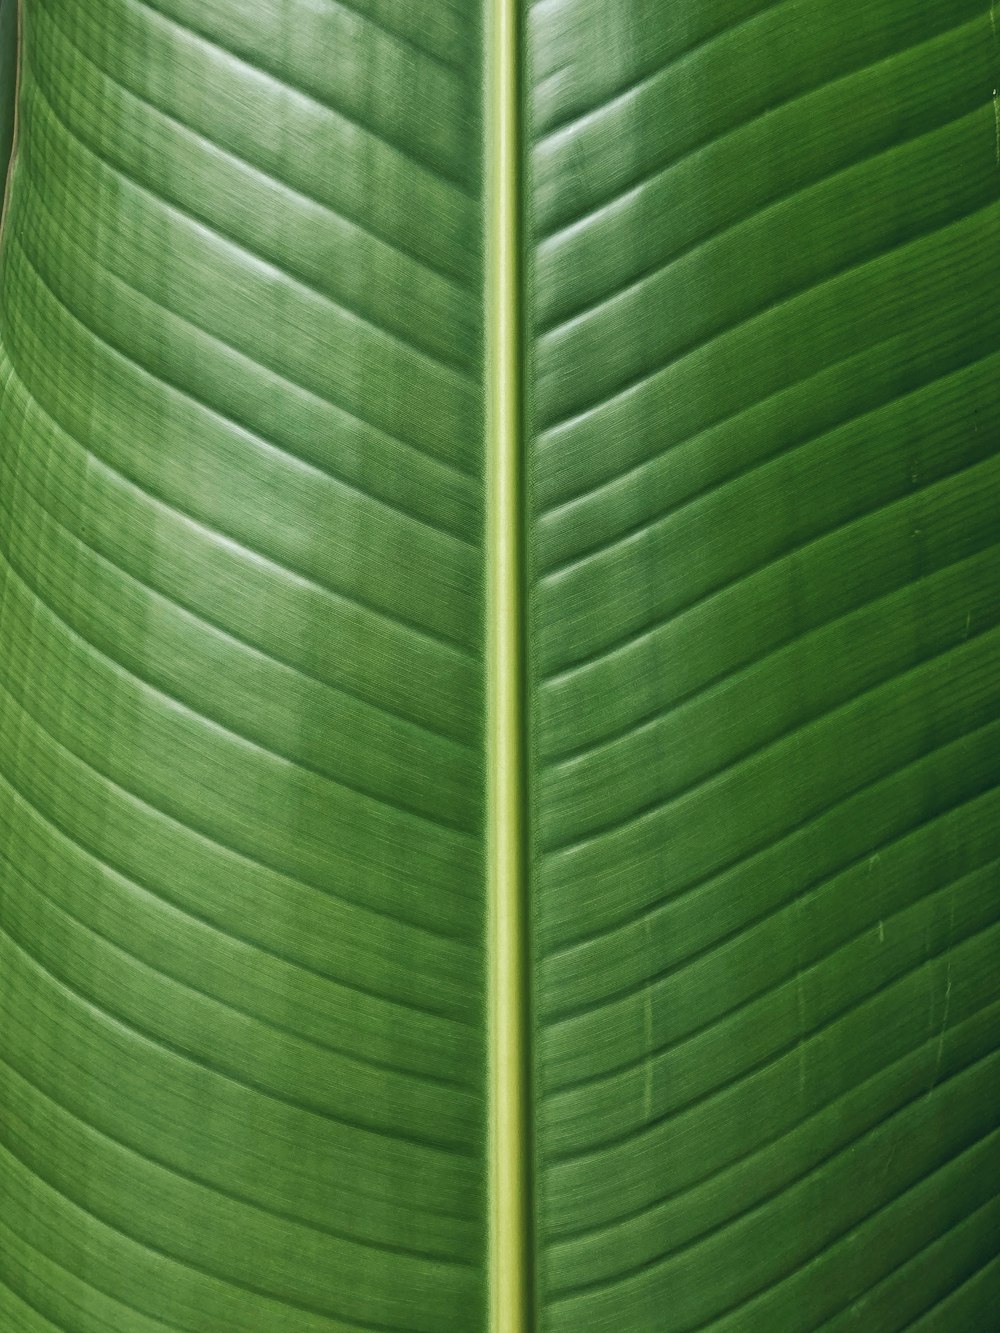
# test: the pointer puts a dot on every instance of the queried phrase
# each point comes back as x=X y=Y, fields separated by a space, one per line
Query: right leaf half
x=764 y=409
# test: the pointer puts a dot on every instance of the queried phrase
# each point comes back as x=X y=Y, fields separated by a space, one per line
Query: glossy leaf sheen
x=243 y=908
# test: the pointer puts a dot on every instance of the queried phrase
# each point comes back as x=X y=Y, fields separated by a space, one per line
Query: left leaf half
x=241 y=901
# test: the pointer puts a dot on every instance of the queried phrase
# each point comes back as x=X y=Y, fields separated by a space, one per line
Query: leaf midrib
x=509 y=1292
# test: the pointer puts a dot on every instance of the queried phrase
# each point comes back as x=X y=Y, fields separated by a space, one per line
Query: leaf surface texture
x=244 y=495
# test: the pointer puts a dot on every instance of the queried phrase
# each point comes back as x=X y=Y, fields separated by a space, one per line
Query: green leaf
x=8 y=81
x=765 y=606
x=500 y=666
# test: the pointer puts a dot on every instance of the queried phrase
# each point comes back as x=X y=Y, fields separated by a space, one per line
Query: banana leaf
x=500 y=666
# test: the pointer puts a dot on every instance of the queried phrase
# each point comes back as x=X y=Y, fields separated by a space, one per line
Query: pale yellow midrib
x=508 y=1147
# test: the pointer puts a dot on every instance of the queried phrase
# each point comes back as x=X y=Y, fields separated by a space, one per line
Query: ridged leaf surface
x=765 y=599
x=248 y=271
x=242 y=922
